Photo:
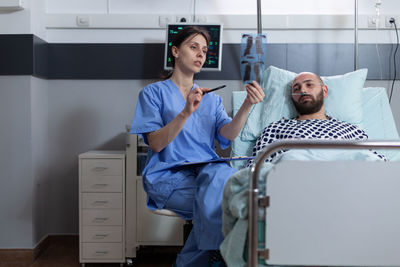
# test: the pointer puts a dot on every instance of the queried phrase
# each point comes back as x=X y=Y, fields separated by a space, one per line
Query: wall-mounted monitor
x=214 y=54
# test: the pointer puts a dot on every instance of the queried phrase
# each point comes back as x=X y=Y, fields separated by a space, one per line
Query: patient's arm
x=255 y=94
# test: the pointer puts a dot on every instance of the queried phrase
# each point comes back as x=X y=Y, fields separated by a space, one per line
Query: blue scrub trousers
x=199 y=197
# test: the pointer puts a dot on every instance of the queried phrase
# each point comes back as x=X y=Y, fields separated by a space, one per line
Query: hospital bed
x=330 y=213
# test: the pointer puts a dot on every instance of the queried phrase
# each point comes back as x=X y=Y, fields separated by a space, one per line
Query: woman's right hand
x=193 y=100
x=159 y=139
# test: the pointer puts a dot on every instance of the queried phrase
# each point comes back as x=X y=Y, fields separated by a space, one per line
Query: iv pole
x=259 y=23
x=253 y=194
x=355 y=34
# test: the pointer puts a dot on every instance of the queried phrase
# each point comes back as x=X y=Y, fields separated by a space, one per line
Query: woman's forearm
x=159 y=139
x=231 y=130
x=255 y=94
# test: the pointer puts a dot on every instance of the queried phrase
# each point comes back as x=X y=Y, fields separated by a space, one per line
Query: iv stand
x=259 y=23
x=355 y=34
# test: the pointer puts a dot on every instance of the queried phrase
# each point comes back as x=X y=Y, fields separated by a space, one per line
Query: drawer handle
x=100 y=202
x=100 y=219
x=101 y=252
x=101 y=235
x=100 y=184
x=99 y=169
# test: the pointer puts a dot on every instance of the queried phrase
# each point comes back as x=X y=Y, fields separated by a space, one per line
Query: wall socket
x=82 y=21
x=183 y=18
x=391 y=25
x=374 y=22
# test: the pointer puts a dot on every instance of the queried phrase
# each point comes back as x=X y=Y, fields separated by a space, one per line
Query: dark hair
x=183 y=35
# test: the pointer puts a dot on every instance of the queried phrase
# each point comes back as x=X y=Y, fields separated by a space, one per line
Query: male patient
x=308 y=94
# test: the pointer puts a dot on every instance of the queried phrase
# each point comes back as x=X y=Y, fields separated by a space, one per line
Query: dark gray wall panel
x=276 y=55
x=16 y=54
x=125 y=61
x=27 y=54
x=378 y=69
x=323 y=59
x=105 y=61
x=40 y=57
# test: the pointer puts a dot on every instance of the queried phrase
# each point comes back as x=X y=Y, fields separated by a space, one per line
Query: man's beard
x=310 y=107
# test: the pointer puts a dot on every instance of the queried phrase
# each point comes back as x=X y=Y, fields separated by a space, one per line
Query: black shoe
x=216 y=259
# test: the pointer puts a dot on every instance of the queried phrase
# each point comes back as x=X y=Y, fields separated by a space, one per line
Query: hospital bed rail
x=254 y=195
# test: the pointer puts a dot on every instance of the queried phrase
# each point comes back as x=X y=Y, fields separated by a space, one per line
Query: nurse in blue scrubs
x=180 y=124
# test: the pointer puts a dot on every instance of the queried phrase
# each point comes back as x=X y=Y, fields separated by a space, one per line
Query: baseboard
x=27 y=256
x=41 y=246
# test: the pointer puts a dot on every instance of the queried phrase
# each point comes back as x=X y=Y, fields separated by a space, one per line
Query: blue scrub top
x=158 y=104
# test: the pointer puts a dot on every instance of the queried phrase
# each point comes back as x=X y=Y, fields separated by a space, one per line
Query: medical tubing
x=293 y=144
x=377 y=22
x=379 y=56
x=394 y=61
x=302 y=94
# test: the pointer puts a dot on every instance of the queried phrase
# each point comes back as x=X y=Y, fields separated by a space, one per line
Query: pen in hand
x=216 y=88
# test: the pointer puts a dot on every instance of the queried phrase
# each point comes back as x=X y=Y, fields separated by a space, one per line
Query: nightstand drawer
x=96 y=167
x=102 y=234
x=102 y=184
x=107 y=251
x=102 y=201
x=101 y=217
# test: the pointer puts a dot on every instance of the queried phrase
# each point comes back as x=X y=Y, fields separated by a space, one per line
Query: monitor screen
x=214 y=54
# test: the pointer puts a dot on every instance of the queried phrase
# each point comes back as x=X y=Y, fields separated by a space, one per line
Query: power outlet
x=387 y=21
x=82 y=21
x=374 y=22
x=183 y=18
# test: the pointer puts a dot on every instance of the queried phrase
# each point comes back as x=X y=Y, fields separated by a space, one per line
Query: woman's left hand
x=255 y=93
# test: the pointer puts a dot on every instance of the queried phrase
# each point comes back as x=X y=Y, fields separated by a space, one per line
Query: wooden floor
x=65 y=253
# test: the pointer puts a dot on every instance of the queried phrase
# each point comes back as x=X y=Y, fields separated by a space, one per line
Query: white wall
x=83 y=115
x=220 y=7
x=24 y=161
x=16 y=194
x=38 y=18
x=30 y=20
x=17 y=22
x=127 y=21
x=40 y=158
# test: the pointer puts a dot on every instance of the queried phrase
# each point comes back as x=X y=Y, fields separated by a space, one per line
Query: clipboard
x=217 y=160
